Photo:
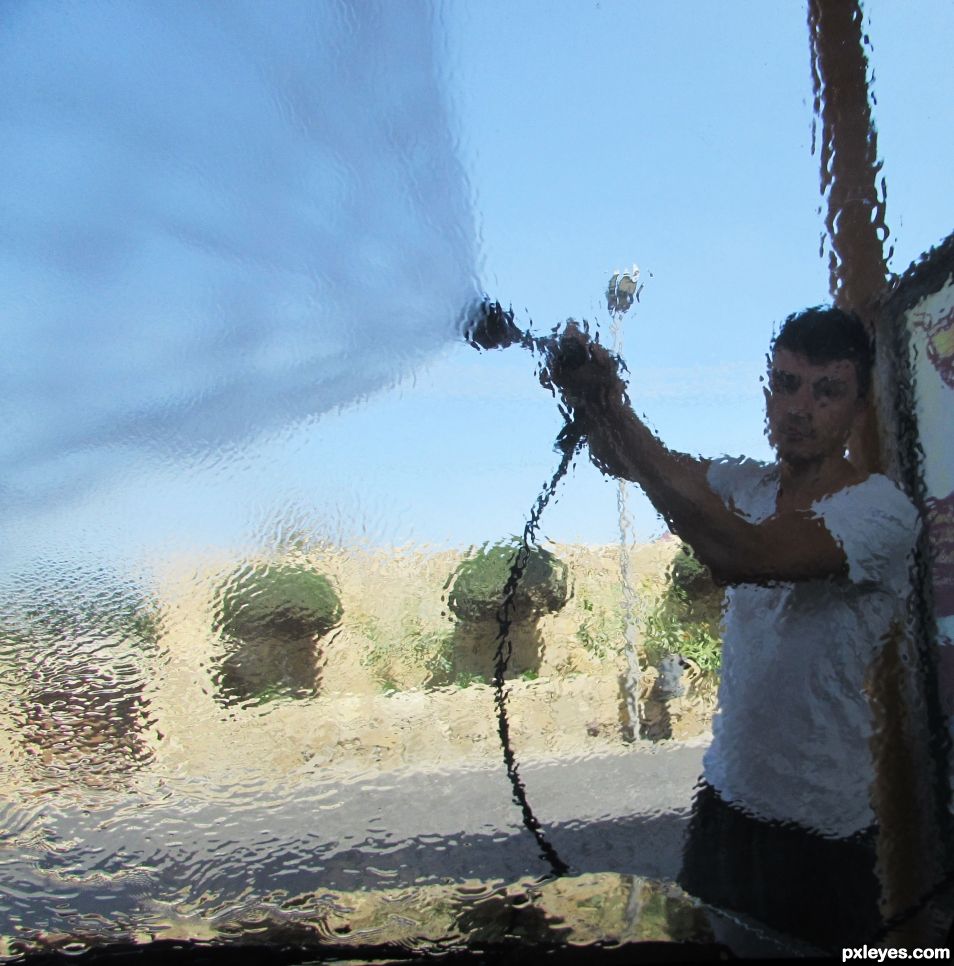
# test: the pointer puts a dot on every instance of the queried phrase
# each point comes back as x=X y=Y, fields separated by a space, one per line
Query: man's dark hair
x=826 y=334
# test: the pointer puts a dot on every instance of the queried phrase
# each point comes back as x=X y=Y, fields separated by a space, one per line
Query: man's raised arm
x=788 y=546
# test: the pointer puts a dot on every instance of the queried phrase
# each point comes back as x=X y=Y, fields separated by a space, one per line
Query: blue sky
x=582 y=137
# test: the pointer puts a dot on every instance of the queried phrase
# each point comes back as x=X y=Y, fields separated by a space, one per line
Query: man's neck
x=802 y=483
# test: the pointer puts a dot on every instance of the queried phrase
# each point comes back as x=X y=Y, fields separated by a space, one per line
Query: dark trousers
x=821 y=890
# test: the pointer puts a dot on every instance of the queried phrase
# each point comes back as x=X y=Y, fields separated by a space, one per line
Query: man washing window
x=815 y=556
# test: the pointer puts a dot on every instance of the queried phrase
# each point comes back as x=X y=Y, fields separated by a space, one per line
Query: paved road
x=622 y=812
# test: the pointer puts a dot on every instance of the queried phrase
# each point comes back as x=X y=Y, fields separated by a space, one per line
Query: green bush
x=271 y=616
x=699 y=641
x=693 y=588
x=477 y=586
x=602 y=630
x=687 y=619
x=277 y=600
x=690 y=576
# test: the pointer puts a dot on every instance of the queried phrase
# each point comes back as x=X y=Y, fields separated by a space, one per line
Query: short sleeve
x=744 y=485
x=876 y=525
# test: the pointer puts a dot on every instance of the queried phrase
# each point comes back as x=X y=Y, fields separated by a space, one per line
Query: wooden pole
x=858 y=275
x=849 y=154
x=850 y=169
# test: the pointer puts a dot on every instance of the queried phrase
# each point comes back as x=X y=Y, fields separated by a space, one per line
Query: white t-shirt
x=791 y=737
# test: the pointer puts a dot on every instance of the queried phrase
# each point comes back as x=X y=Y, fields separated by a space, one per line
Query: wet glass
x=318 y=625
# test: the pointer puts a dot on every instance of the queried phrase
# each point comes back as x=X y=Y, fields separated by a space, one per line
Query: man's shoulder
x=740 y=477
x=875 y=492
x=876 y=524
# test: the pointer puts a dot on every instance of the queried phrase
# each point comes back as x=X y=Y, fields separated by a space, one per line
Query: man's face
x=811 y=408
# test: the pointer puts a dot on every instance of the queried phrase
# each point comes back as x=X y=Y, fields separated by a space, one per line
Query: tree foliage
x=278 y=600
x=478 y=584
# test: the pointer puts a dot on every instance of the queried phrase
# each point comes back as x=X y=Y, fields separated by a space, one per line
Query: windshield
x=322 y=621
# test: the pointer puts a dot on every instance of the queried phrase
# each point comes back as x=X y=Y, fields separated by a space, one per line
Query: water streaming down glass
x=217 y=222
x=220 y=221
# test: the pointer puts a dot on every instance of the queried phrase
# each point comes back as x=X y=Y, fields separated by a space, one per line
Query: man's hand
x=585 y=373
